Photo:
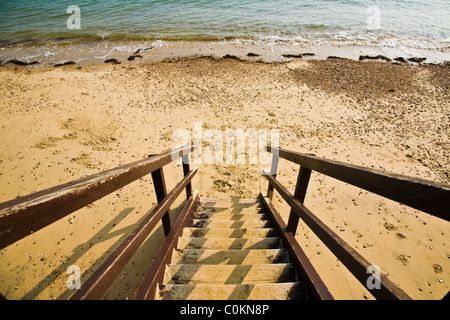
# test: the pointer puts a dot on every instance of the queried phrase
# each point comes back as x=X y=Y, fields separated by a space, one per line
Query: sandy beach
x=58 y=124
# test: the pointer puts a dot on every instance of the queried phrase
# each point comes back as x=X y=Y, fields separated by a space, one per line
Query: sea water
x=421 y=24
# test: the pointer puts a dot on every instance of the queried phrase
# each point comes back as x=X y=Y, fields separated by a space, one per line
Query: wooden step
x=229 y=250
x=231 y=205
x=212 y=210
x=228 y=274
x=209 y=256
x=229 y=243
x=260 y=291
x=228 y=232
x=230 y=216
x=230 y=201
x=234 y=224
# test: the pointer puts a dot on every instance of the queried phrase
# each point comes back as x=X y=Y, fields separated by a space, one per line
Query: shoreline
x=97 y=52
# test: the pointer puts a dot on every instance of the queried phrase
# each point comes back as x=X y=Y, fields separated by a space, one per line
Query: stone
x=113 y=61
x=67 y=63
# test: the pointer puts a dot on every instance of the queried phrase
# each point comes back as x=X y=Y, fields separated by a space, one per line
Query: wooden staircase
x=230 y=250
x=223 y=249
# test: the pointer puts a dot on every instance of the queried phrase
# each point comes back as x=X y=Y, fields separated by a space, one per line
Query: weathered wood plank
x=354 y=262
x=428 y=196
x=308 y=274
x=186 y=169
x=299 y=194
x=155 y=274
x=273 y=171
x=22 y=216
x=161 y=191
x=99 y=282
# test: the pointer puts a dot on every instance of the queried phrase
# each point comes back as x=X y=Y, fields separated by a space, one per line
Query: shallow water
x=416 y=23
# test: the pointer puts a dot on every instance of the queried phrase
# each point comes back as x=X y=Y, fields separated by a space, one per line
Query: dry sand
x=60 y=124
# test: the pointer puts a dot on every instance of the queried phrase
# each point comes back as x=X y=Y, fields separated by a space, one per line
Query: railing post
x=161 y=192
x=273 y=172
x=299 y=194
x=186 y=169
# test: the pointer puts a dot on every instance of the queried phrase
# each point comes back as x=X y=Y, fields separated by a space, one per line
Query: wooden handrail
x=428 y=196
x=22 y=216
x=100 y=281
x=155 y=274
x=355 y=263
x=424 y=195
x=315 y=285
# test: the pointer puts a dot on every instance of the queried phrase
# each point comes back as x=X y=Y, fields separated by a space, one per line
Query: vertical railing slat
x=186 y=169
x=161 y=192
x=299 y=194
x=273 y=172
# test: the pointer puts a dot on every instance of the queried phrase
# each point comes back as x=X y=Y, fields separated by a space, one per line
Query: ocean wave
x=343 y=37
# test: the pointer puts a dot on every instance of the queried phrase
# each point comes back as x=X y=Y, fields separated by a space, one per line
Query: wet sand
x=59 y=124
x=86 y=53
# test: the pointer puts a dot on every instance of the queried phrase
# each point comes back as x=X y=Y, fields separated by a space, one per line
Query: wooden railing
x=426 y=196
x=22 y=216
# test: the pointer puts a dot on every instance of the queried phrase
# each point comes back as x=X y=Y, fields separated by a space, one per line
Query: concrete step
x=234 y=224
x=229 y=232
x=260 y=291
x=228 y=274
x=229 y=243
x=209 y=256
x=230 y=216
